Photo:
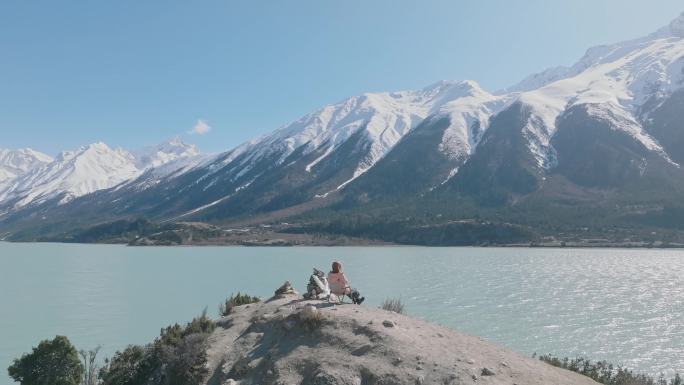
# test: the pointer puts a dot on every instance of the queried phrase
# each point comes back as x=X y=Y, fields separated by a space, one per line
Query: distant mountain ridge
x=82 y=171
x=16 y=162
x=163 y=153
x=604 y=135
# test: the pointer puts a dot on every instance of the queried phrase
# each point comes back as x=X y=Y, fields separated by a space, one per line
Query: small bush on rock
x=394 y=305
x=606 y=373
x=236 y=300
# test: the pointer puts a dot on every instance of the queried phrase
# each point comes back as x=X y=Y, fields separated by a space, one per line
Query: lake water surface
x=626 y=306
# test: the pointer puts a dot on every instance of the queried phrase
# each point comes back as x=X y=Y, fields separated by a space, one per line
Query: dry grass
x=394 y=305
x=311 y=318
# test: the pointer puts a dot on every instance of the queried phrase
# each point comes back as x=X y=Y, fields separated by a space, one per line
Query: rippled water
x=626 y=306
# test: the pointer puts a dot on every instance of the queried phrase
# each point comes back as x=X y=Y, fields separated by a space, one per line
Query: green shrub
x=183 y=351
x=53 y=362
x=236 y=300
x=201 y=324
x=177 y=357
x=394 y=305
x=186 y=362
x=135 y=365
x=606 y=373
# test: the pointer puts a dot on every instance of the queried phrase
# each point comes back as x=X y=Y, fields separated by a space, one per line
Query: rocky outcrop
x=289 y=341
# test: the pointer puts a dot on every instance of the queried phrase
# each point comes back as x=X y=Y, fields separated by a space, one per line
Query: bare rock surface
x=272 y=343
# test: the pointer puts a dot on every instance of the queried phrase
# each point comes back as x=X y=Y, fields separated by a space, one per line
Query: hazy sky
x=133 y=73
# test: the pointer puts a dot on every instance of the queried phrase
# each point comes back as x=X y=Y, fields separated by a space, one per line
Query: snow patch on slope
x=320 y=158
x=452 y=174
x=469 y=113
x=625 y=122
x=198 y=209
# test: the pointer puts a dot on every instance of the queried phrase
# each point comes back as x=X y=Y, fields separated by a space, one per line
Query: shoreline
x=365 y=245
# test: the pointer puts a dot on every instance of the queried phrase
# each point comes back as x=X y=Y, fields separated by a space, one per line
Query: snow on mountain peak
x=451 y=86
x=171 y=150
x=16 y=162
x=89 y=168
x=44 y=158
x=469 y=114
x=71 y=174
x=626 y=74
x=677 y=26
x=622 y=77
x=381 y=118
x=597 y=55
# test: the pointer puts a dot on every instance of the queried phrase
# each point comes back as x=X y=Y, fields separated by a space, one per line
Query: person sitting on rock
x=339 y=284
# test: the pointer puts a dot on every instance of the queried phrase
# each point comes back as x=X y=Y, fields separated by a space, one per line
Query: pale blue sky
x=132 y=73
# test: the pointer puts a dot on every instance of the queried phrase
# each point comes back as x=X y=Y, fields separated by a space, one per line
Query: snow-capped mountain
x=471 y=108
x=437 y=130
x=618 y=81
x=615 y=53
x=16 y=162
x=381 y=119
x=618 y=90
x=613 y=121
x=155 y=156
x=618 y=84
x=71 y=174
x=91 y=168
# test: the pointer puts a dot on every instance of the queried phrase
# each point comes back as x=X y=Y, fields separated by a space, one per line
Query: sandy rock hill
x=290 y=341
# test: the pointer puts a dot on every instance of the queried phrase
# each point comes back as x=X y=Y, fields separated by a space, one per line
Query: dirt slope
x=274 y=343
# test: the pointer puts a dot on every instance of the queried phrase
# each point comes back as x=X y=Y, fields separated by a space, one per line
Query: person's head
x=336 y=267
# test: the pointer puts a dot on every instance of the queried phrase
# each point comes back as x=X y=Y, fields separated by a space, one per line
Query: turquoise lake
x=626 y=306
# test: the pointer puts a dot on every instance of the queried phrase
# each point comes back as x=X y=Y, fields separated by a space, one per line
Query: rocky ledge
x=290 y=341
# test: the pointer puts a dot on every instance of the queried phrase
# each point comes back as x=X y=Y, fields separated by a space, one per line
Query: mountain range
x=587 y=153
